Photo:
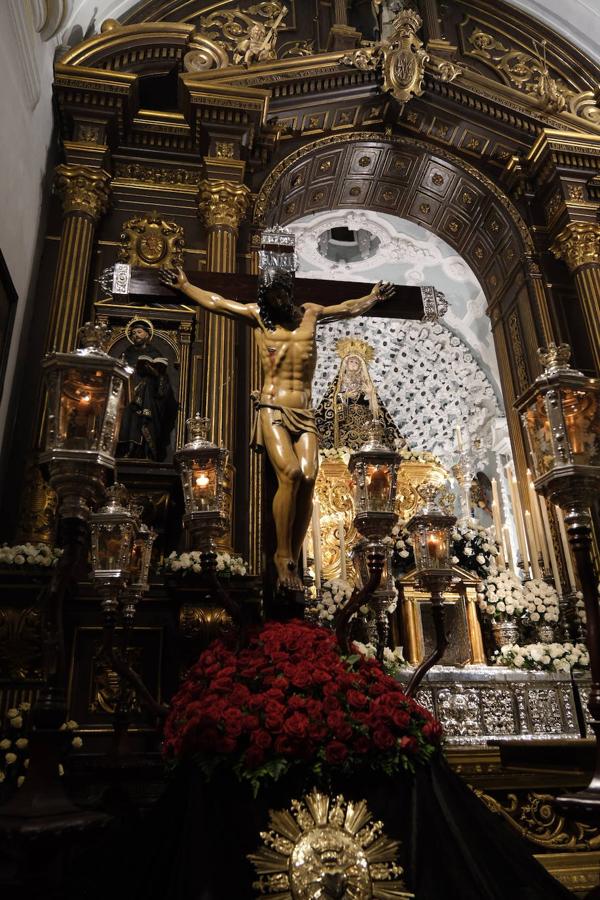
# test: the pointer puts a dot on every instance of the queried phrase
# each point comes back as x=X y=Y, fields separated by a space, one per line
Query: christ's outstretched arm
x=176 y=278
x=383 y=290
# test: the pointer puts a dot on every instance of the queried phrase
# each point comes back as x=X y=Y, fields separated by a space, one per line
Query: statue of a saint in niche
x=350 y=404
x=149 y=418
x=284 y=420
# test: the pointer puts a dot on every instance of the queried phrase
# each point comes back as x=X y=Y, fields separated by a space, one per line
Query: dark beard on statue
x=280 y=311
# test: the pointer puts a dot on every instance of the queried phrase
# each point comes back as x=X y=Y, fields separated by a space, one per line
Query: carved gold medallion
x=151 y=241
x=326 y=848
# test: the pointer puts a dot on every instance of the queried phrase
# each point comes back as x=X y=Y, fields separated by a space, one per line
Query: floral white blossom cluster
x=418 y=456
x=580 y=607
x=190 y=562
x=334 y=595
x=401 y=542
x=393 y=660
x=544 y=657
x=15 y=759
x=29 y=555
x=474 y=548
x=502 y=596
x=341 y=453
x=542 y=601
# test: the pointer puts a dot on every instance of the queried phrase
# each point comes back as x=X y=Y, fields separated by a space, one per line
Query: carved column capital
x=222 y=204
x=83 y=190
x=578 y=244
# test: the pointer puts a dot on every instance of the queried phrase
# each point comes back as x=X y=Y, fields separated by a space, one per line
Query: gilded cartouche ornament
x=327 y=848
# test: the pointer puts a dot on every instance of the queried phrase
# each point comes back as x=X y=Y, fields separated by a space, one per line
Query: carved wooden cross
x=408 y=302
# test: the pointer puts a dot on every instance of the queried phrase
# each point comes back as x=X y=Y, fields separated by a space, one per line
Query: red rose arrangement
x=291 y=697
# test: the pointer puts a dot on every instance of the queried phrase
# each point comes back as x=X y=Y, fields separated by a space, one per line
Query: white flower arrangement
x=502 y=596
x=191 y=562
x=544 y=657
x=542 y=602
x=419 y=456
x=40 y=554
x=334 y=595
x=341 y=453
x=580 y=613
x=473 y=548
x=393 y=660
x=14 y=759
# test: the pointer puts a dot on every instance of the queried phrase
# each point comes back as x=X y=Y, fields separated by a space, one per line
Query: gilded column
x=222 y=206
x=84 y=192
x=578 y=245
x=544 y=324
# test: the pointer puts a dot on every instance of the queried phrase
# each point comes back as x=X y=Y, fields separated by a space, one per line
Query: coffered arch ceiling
x=410 y=179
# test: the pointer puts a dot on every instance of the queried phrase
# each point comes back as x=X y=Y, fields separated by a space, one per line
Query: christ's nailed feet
x=287 y=574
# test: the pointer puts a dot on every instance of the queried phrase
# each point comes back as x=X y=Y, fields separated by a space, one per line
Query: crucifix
x=284 y=326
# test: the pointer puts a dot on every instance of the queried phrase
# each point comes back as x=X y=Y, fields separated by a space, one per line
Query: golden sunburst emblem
x=326 y=848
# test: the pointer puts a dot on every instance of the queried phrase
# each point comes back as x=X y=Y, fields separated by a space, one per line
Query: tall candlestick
x=533 y=547
x=508 y=549
x=342 y=533
x=496 y=515
x=516 y=507
x=458 y=435
x=316 y=535
x=550 y=543
x=538 y=528
x=566 y=549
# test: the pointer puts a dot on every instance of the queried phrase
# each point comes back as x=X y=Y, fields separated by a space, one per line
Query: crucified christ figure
x=284 y=421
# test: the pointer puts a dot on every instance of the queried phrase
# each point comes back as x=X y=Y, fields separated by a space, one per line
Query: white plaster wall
x=576 y=20
x=26 y=117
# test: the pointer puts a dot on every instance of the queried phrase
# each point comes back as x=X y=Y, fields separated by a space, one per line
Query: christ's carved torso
x=285 y=424
x=288 y=361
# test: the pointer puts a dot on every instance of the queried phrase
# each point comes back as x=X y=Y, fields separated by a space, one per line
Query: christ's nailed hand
x=173 y=278
x=384 y=290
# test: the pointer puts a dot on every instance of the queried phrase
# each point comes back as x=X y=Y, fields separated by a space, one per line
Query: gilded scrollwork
x=151 y=241
x=246 y=38
x=529 y=72
x=203 y=623
x=37 y=518
x=537 y=818
x=167 y=175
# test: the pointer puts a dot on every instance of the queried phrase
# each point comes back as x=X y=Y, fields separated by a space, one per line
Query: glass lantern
x=202 y=468
x=374 y=470
x=561 y=417
x=84 y=399
x=113 y=531
x=139 y=564
x=431 y=532
x=139 y=569
x=83 y=414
